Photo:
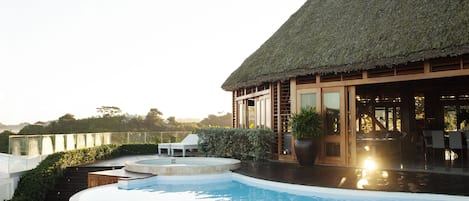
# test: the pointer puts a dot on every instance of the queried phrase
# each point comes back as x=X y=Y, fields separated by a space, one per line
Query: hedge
x=34 y=184
x=243 y=144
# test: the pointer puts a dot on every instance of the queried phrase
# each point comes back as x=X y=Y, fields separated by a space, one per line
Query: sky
x=59 y=57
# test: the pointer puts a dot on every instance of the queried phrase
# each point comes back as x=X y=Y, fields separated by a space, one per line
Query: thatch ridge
x=343 y=35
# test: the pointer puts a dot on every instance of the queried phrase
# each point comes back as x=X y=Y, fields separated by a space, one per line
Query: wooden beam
x=365 y=75
x=252 y=95
x=398 y=78
x=293 y=95
x=426 y=67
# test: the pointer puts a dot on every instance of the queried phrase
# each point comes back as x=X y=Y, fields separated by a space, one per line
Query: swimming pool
x=233 y=186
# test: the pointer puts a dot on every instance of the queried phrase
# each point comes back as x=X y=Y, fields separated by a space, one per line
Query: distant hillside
x=12 y=128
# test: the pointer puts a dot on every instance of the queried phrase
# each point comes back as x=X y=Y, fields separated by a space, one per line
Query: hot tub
x=183 y=166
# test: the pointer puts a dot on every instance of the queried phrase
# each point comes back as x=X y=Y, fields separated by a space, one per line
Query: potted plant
x=306 y=127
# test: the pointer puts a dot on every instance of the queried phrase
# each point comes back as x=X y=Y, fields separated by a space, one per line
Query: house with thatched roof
x=379 y=72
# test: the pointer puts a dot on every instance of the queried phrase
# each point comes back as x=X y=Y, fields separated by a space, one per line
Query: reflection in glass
x=463 y=117
x=380 y=115
x=450 y=118
x=419 y=107
x=331 y=104
x=308 y=100
x=390 y=123
x=241 y=114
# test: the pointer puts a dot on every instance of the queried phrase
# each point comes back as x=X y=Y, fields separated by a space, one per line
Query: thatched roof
x=332 y=36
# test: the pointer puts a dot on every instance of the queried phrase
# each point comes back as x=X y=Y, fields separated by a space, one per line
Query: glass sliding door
x=263 y=111
x=254 y=112
x=241 y=109
x=306 y=98
x=334 y=118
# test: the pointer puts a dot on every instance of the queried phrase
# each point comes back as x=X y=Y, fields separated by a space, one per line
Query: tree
x=172 y=121
x=109 y=111
x=67 y=118
x=136 y=123
x=4 y=141
x=33 y=130
x=153 y=120
x=217 y=121
x=66 y=123
x=172 y=124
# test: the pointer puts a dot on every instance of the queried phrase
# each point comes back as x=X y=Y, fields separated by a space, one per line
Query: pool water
x=232 y=186
x=231 y=190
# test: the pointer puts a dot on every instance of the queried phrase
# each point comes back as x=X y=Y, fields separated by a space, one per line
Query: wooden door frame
x=342 y=160
x=351 y=132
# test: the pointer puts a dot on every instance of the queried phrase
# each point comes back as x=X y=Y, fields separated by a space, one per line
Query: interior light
x=362 y=183
x=367 y=148
x=384 y=174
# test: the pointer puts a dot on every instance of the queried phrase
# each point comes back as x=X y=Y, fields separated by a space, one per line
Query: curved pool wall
x=113 y=192
x=183 y=166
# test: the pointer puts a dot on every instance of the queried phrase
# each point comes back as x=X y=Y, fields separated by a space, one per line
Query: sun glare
x=370 y=164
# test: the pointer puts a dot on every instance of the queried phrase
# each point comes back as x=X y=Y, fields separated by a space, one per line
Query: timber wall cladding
x=445 y=64
x=99 y=180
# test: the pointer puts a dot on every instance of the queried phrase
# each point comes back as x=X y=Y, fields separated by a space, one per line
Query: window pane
x=450 y=118
x=380 y=115
x=419 y=107
x=308 y=100
x=331 y=103
x=258 y=114
x=241 y=115
x=390 y=114
x=268 y=113
x=251 y=114
x=262 y=113
x=398 y=118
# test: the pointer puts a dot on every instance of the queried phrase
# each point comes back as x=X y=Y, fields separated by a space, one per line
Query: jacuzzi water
x=232 y=186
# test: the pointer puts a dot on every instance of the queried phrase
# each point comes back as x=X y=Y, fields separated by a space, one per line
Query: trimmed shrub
x=243 y=144
x=34 y=185
x=135 y=149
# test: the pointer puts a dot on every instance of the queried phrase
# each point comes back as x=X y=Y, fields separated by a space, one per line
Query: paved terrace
x=354 y=178
x=441 y=181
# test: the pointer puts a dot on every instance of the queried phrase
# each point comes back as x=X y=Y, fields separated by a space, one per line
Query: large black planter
x=306 y=151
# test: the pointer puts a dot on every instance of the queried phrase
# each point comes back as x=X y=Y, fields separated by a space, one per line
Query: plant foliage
x=34 y=185
x=4 y=141
x=306 y=124
x=243 y=144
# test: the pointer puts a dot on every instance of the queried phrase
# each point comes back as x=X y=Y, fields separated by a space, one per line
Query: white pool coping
x=341 y=194
x=335 y=193
x=183 y=166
